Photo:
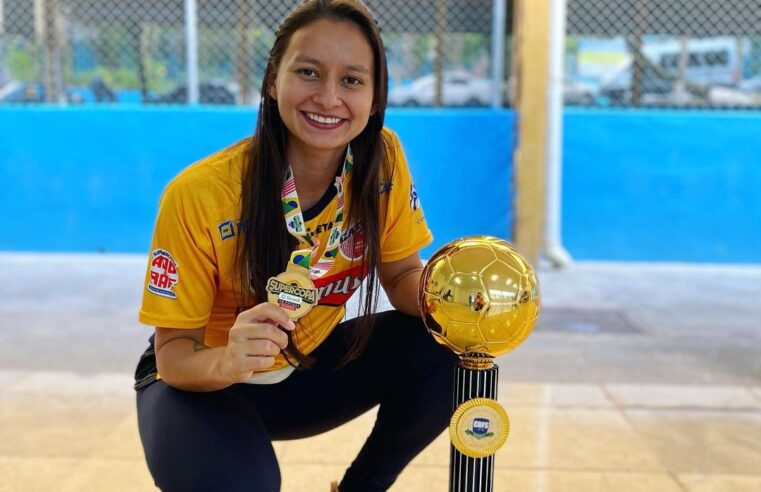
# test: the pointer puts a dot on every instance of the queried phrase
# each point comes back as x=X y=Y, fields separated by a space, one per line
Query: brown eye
x=353 y=80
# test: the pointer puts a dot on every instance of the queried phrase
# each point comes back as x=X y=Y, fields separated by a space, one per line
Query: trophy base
x=466 y=472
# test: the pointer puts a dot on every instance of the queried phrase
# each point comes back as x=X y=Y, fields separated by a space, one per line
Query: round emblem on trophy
x=479 y=427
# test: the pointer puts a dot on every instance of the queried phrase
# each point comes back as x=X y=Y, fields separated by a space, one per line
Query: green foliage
x=572 y=44
x=122 y=78
x=21 y=63
x=755 y=56
x=218 y=53
x=474 y=46
x=479 y=436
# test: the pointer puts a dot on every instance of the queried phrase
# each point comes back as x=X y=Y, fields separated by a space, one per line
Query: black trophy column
x=472 y=474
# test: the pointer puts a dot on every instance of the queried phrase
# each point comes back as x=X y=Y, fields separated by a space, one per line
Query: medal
x=294 y=290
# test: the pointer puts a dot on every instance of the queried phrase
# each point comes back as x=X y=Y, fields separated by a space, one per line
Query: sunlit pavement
x=640 y=377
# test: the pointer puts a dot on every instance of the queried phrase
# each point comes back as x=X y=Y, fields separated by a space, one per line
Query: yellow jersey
x=191 y=281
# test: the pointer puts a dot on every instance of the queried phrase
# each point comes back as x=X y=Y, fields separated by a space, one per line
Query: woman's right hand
x=254 y=340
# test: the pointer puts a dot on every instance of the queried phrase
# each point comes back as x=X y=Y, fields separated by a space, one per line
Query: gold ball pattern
x=479 y=295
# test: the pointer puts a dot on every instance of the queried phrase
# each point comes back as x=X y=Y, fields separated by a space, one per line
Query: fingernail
x=291 y=324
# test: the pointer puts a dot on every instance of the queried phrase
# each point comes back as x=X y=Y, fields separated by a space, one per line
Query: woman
x=319 y=197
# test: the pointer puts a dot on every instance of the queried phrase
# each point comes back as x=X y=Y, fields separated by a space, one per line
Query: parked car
x=102 y=92
x=576 y=91
x=458 y=89
x=22 y=92
x=618 y=87
x=752 y=84
x=208 y=93
x=579 y=92
x=212 y=92
x=728 y=96
x=657 y=89
x=16 y=92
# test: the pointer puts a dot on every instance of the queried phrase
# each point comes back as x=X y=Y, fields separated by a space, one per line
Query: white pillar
x=191 y=50
x=554 y=250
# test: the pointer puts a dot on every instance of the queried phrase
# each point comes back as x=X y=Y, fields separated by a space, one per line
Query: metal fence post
x=498 y=52
x=191 y=50
x=438 y=66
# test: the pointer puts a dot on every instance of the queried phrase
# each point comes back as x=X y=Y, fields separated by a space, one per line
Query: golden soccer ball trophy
x=480 y=298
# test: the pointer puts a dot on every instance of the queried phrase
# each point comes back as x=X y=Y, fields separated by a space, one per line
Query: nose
x=327 y=95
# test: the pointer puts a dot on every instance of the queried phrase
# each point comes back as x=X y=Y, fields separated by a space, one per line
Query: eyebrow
x=314 y=61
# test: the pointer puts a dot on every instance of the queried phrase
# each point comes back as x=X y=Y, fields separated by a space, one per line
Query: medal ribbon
x=294 y=220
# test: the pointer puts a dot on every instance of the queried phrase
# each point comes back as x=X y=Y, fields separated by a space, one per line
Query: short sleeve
x=182 y=275
x=405 y=231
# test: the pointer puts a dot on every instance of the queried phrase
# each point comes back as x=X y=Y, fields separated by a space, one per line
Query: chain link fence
x=631 y=53
x=135 y=51
x=664 y=53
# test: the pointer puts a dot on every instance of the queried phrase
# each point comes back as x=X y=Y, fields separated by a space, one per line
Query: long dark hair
x=265 y=245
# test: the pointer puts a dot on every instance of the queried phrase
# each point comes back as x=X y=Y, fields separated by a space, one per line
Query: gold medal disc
x=479 y=427
x=293 y=292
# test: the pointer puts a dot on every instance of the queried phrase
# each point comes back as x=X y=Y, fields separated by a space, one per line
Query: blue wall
x=89 y=180
x=662 y=185
x=637 y=185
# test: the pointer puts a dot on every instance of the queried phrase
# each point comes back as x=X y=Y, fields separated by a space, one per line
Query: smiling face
x=324 y=86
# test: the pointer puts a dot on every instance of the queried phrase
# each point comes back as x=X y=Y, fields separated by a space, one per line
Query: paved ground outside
x=639 y=377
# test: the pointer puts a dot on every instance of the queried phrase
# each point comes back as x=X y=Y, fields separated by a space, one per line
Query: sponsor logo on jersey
x=164 y=274
x=226 y=229
x=321 y=228
x=414 y=201
x=353 y=243
x=337 y=289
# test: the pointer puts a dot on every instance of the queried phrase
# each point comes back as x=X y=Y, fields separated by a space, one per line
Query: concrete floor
x=671 y=401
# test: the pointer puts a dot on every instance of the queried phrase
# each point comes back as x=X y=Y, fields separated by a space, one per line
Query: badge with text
x=479 y=427
x=293 y=292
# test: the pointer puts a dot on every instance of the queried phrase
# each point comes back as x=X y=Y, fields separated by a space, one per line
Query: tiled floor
x=674 y=405
x=68 y=432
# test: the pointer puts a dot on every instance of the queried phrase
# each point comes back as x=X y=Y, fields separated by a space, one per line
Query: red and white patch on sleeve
x=164 y=274
x=353 y=243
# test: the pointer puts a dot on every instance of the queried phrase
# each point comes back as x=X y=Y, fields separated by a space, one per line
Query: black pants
x=222 y=440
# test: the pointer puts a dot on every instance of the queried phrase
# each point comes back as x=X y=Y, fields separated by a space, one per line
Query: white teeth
x=322 y=119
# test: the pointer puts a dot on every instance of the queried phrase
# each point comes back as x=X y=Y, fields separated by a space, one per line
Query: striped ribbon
x=294 y=220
